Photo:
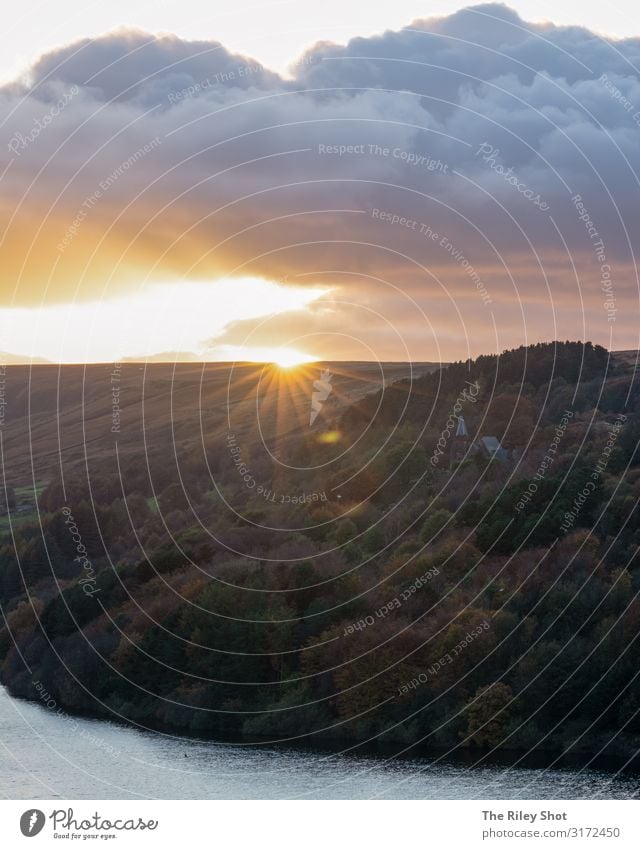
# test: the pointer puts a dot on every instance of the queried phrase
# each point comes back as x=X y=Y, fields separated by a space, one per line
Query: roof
x=491 y=444
x=461 y=430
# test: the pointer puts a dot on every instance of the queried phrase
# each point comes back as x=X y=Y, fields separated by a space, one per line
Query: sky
x=300 y=180
x=275 y=33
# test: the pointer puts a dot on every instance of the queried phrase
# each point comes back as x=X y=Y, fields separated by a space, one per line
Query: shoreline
x=474 y=758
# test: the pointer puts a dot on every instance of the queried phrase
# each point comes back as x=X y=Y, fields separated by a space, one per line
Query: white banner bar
x=321 y=824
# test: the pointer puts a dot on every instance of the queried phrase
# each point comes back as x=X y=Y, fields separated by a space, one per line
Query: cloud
x=131 y=159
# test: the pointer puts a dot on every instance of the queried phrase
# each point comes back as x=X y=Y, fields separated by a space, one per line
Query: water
x=47 y=756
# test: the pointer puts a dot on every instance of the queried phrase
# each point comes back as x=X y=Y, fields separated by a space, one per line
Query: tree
x=433 y=524
x=488 y=715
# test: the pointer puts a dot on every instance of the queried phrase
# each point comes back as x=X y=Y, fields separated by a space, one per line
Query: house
x=461 y=446
x=490 y=448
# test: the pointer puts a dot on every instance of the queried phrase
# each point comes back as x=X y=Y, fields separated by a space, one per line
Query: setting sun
x=290 y=357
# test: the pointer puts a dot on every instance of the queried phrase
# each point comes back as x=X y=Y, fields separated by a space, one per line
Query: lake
x=44 y=755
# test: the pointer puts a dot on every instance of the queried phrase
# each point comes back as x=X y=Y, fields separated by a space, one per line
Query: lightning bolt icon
x=33 y=819
x=322 y=391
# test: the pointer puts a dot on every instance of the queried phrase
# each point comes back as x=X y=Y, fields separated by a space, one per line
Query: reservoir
x=44 y=755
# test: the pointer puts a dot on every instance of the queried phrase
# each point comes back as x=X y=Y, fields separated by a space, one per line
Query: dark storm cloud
x=169 y=158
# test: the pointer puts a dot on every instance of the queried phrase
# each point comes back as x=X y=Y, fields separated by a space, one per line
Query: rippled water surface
x=46 y=756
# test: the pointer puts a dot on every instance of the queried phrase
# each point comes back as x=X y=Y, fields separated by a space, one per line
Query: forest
x=480 y=602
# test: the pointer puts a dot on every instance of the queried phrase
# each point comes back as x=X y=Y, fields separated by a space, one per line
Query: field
x=70 y=417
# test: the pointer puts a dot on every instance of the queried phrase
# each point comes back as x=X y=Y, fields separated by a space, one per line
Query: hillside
x=370 y=576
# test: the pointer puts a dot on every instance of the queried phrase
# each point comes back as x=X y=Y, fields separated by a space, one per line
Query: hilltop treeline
x=446 y=604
